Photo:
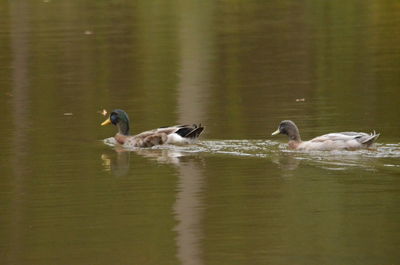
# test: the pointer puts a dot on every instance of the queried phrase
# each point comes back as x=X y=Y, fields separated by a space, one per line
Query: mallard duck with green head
x=330 y=141
x=178 y=134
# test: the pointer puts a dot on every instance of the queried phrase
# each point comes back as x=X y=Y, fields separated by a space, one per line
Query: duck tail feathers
x=191 y=132
x=371 y=138
x=195 y=133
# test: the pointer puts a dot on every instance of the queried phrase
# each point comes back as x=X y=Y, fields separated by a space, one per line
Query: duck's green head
x=120 y=119
x=290 y=129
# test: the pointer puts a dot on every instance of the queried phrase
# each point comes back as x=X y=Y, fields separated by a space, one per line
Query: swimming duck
x=178 y=134
x=330 y=141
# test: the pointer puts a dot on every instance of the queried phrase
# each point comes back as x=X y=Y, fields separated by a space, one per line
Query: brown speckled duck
x=178 y=134
x=330 y=141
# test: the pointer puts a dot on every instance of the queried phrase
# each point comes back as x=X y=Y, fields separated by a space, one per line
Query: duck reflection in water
x=286 y=161
x=118 y=160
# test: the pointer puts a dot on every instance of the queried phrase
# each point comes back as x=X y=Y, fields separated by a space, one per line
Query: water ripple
x=384 y=155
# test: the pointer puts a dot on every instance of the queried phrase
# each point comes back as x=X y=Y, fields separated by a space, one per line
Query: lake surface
x=238 y=196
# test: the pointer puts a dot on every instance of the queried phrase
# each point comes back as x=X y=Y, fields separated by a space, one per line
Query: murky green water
x=238 y=196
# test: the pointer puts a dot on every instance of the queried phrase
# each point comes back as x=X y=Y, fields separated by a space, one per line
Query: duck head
x=290 y=129
x=120 y=119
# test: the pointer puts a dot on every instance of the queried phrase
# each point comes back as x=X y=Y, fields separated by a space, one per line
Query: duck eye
x=114 y=118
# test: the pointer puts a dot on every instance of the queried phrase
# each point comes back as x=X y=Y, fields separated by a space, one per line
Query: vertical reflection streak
x=194 y=40
x=195 y=47
x=20 y=77
x=188 y=212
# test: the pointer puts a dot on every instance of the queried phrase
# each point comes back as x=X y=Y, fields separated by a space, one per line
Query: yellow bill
x=276 y=132
x=106 y=122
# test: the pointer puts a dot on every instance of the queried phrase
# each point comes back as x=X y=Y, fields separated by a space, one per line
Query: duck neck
x=295 y=138
x=294 y=134
x=123 y=128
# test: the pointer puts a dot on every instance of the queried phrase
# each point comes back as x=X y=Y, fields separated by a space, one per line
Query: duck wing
x=185 y=131
x=178 y=134
x=361 y=137
x=342 y=136
x=344 y=140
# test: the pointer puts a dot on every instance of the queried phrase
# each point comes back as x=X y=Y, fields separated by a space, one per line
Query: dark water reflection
x=235 y=66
